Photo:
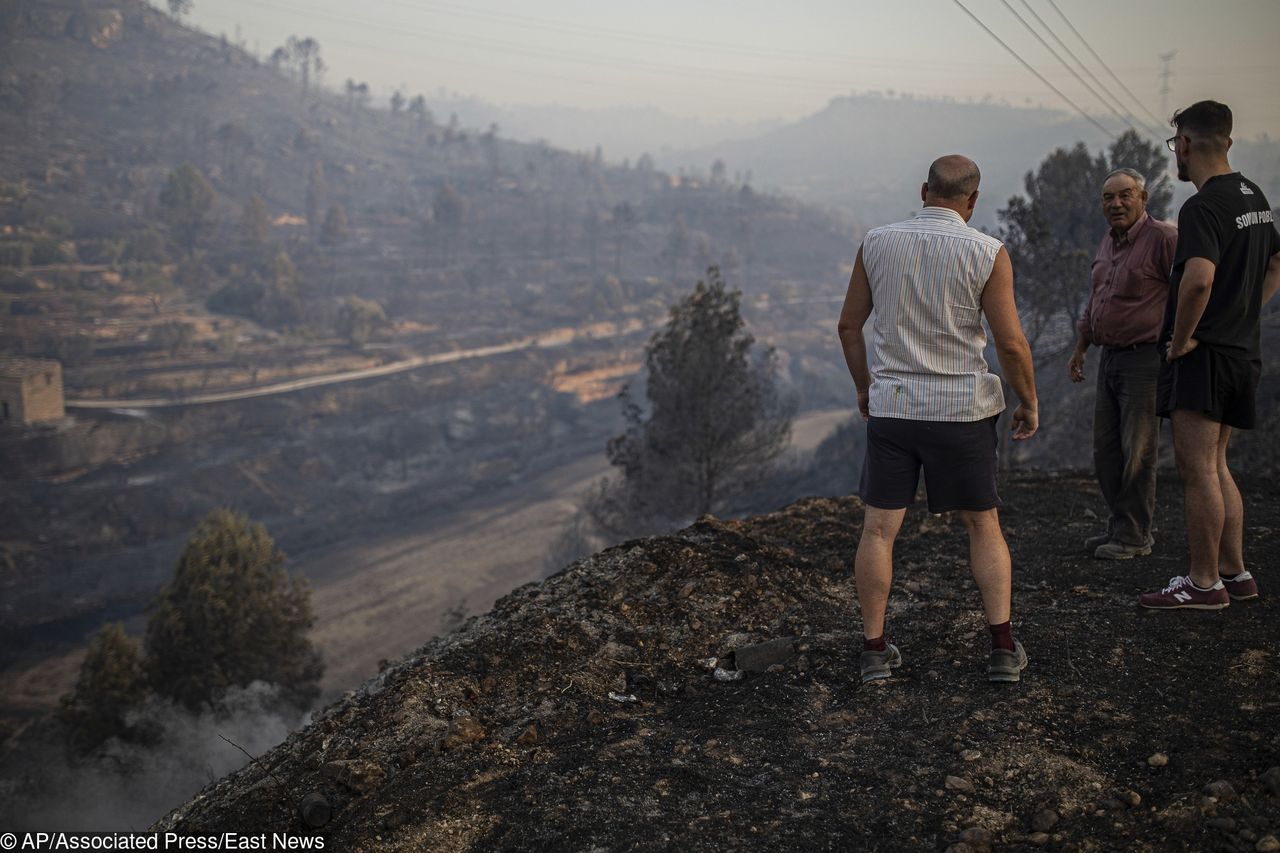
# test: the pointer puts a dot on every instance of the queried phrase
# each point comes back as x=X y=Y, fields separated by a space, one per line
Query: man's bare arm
x=1001 y=311
x=853 y=316
x=1193 y=296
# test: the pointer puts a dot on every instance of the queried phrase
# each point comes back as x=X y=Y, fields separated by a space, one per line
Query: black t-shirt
x=1229 y=223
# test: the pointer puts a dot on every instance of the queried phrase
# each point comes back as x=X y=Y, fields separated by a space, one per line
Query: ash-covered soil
x=582 y=713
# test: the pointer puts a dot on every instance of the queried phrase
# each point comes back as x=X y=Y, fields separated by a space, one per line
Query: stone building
x=30 y=391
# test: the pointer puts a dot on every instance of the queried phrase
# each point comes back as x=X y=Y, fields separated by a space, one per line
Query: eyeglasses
x=1171 y=142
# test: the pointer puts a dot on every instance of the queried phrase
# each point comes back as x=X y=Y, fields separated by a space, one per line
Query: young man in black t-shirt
x=1227 y=266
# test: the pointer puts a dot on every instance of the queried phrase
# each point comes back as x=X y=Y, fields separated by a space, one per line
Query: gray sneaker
x=1121 y=551
x=877 y=666
x=1091 y=544
x=1007 y=666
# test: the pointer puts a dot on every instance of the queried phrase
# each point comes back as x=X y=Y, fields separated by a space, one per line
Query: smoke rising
x=128 y=786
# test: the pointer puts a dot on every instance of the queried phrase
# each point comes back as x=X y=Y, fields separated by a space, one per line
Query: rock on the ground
x=1221 y=790
x=1272 y=780
x=760 y=656
x=462 y=731
x=1131 y=798
x=977 y=838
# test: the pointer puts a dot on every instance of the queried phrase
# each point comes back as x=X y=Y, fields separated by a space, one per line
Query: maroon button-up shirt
x=1130 y=285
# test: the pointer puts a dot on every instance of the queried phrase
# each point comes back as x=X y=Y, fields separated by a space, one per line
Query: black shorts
x=958 y=457
x=1204 y=380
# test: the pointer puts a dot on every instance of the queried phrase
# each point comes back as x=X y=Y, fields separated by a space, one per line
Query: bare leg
x=990 y=564
x=1231 y=544
x=1195 y=447
x=873 y=565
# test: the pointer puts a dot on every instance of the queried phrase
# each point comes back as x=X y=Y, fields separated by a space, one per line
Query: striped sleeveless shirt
x=926 y=341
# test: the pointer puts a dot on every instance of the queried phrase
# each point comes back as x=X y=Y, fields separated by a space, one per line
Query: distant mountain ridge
x=623 y=132
x=866 y=154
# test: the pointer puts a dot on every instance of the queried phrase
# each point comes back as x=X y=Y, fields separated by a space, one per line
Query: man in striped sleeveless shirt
x=929 y=399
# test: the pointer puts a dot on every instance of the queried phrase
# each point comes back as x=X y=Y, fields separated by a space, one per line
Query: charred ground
x=504 y=735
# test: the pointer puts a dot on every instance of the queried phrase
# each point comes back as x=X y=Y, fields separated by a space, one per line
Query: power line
x=1165 y=73
x=1085 y=68
x=1065 y=65
x=780 y=99
x=1085 y=42
x=1039 y=76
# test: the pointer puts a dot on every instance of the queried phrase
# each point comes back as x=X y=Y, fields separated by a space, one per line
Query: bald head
x=952 y=178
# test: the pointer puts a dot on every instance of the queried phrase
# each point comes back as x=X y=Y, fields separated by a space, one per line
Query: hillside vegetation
x=178 y=217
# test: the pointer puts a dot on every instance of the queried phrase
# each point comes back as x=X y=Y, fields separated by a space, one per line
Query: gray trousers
x=1126 y=439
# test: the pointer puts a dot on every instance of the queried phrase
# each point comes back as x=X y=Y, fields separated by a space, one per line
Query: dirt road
x=547 y=340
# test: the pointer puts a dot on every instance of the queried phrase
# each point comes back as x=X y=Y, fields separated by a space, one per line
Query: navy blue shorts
x=958 y=458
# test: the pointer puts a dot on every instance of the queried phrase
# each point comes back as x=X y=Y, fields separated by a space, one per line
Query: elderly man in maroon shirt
x=1124 y=316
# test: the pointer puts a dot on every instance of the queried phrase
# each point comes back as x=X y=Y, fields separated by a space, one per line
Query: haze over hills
x=863 y=155
x=528 y=276
x=393 y=335
x=623 y=132
x=866 y=154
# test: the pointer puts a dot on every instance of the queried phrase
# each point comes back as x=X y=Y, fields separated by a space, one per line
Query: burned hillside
x=699 y=690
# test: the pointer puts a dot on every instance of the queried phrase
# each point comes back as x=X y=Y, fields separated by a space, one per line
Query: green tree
x=719 y=173
x=146 y=246
x=57 y=227
x=111 y=684
x=280 y=280
x=623 y=220
x=268 y=293
x=47 y=250
x=317 y=195
x=450 y=211
x=235 y=144
x=421 y=114
x=304 y=55
x=334 y=230
x=715 y=422
x=178 y=8
x=194 y=275
x=172 y=336
x=253 y=221
x=358 y=319
x=231 y=615
x=677 y=246
x=186 y=199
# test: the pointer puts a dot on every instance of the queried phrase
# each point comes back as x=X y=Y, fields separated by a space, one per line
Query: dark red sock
x=875 y=645
x=1002 y=636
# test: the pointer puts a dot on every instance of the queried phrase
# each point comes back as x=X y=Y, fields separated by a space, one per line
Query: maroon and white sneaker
x=1242 y=587
x=1181 y=593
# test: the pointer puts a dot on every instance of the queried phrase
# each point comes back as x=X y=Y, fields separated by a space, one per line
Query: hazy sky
x=757 y=59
